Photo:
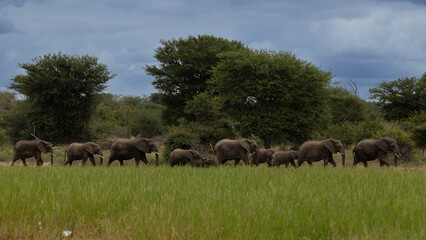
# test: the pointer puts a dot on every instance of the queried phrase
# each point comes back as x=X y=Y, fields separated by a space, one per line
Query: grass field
x=213 y=203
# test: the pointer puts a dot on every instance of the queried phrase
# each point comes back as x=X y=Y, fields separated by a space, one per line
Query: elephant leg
x=237 y=161
x=299 y=162
x=331 y=160
x=67 y=162
x=110 y=160
x=84 y=161
x=365 y=163
x=144 y=159
x=121 y=163
x=24 y=162
x=286 y=164
x=137 y=160
x=293 y=164
x=310 y=163
x=325 y=162
x=92 y=159
x=40 y=162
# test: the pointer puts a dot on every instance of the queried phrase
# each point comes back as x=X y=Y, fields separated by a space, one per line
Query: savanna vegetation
x=210 y=88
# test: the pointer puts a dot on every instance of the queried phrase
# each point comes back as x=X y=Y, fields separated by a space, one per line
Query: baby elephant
x=78 y=151
x=184 y=156
x=284 y=157
x=261 y=156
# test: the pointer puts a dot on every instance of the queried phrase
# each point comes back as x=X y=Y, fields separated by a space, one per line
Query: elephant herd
x=226 y=149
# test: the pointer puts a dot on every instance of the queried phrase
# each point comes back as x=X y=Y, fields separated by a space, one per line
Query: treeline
x=209 y=88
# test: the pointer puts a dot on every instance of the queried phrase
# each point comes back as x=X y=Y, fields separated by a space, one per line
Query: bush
x=352 y=132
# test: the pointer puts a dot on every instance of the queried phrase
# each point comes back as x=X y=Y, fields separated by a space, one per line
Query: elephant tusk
x=156 y=152
x=53 y=155
x=101 y=156
x=343 y=154
x=397 y=155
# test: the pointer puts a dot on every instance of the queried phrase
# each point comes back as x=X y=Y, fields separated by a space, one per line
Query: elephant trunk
x=101 y=157
x=343 y=158
x=156 y=158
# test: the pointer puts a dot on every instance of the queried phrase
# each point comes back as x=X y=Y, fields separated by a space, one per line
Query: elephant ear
x=329 y=144
x=142 y=146
x=245 y=144
x=89 y=148
x=41 y=147
x=383 y=145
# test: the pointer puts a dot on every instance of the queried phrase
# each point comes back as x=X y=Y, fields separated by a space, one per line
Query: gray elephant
x=26 y=149
x=314 y=151
x=262 y=156
x=82 y=151
x=184 y=156
x=284 y=157
x=227 y=149
x=368 y=150
x=137 y=148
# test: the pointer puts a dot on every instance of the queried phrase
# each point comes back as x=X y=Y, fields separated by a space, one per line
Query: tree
x=272 y=95
x=185 y=66
x=401 y=97
x=344 y=106
x=61 y=90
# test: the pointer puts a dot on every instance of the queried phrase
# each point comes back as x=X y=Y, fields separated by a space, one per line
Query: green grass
x=213 y=203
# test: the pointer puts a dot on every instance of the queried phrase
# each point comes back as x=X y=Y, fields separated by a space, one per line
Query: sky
x=364 y=41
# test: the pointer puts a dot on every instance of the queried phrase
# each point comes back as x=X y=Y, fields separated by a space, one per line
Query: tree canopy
x=272 y=95
x=61 y=90
x=402 y=97
x=184 y=67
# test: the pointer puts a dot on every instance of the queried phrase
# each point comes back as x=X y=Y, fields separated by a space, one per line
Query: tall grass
x=214 y=203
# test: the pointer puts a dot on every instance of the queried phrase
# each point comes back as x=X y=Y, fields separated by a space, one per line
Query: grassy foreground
x=214 y=203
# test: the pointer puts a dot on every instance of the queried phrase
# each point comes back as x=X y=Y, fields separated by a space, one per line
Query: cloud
x=367 y=41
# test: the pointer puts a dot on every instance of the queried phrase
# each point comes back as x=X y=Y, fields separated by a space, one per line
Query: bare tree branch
x=354 y=87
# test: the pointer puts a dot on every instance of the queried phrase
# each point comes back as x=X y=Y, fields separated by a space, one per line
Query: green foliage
x=416 y=125
x=345 y=107
x=352 y=132
x=401 y=97
x=207 y=121
x=125 y=116
x=272 y=95
x=185 y=66
x=60 y=90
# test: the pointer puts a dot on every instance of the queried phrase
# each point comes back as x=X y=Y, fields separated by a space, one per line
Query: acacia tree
x=402 y=97
x=184 y=67
x=61 y=90
x=272 y=95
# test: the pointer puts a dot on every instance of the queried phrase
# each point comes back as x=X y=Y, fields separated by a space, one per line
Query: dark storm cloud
x=366 y=41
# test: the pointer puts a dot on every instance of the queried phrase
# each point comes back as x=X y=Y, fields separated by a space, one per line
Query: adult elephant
x=262 y=156
x=26 y=149
x=284 y=157
x=227 y=149
x=368 y=150
x=314 y=151
x=184 y=156
x=137 y=148
x=82 y=151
